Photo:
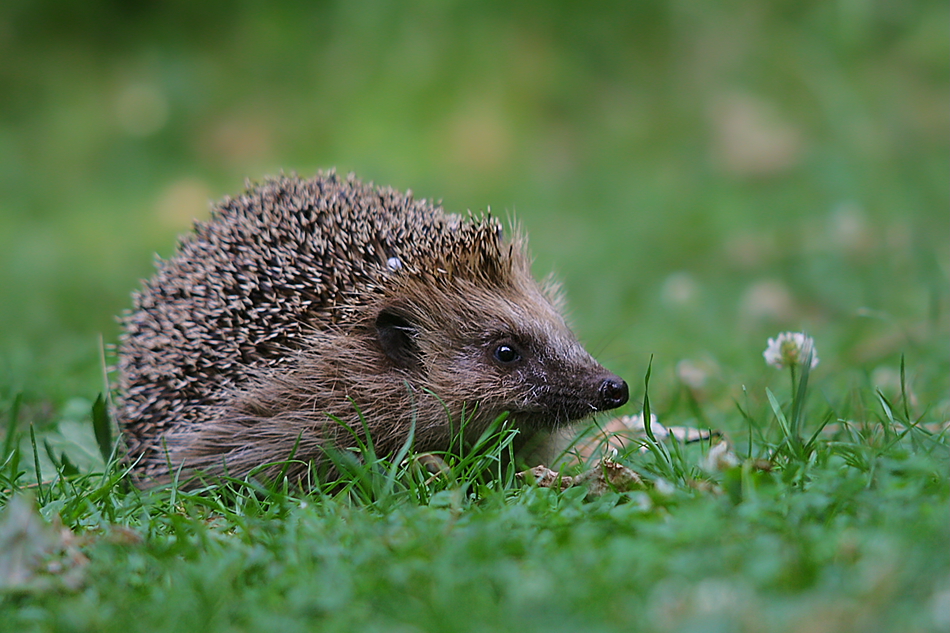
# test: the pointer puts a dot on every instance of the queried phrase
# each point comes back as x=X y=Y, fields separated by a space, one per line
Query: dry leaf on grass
x=605 y=476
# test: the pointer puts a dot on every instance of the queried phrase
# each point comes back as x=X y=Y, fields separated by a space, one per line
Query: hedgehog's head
x=475 y=327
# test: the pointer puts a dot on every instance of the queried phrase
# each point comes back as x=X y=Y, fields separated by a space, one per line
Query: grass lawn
x=702 y=178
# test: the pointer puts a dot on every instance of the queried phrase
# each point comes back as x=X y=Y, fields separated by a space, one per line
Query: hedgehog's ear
x=397 y=336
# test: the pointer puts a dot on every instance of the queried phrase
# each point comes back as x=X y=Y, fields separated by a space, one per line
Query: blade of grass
x=657 y=448
x=293 y=453
x=647 y=426
x=396 y=465
x=36 y=466
x=779 y=414
x=102 y=427
x=904 y=398
x=799 y=396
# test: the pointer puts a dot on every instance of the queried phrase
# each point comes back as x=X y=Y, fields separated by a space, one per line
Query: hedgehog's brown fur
x=303 y=300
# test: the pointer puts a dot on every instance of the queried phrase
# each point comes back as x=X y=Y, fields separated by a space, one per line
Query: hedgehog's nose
x=613 y=393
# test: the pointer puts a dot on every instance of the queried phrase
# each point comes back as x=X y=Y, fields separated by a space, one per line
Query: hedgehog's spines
x=266 y=321
x=267 y=267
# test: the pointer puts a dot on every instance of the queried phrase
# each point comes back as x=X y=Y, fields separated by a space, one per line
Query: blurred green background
x=700 y=175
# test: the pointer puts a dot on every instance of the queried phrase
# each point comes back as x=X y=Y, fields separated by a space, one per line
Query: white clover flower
x=790 y=348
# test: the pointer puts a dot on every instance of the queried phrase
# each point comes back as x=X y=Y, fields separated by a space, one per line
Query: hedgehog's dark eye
x=507 y=354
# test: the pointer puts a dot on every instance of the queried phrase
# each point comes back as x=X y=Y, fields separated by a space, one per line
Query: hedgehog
x=306 y=314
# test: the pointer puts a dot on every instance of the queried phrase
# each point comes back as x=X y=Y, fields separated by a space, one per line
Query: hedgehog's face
x=543 y=378
x=506 y=351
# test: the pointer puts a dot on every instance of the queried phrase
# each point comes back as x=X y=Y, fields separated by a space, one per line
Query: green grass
x=845 y=529
x=702 y=176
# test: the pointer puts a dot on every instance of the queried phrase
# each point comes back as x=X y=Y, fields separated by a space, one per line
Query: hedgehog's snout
x=613 y=393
